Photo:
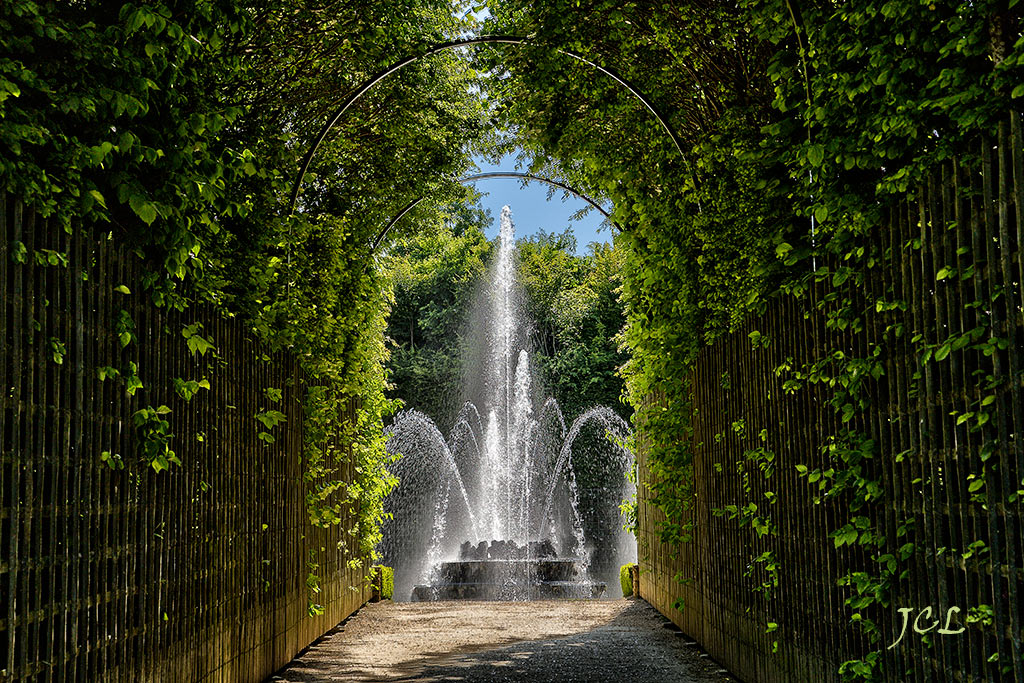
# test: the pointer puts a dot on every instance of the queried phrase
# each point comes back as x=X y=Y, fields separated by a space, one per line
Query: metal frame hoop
x=487 y=176
x=372 y=81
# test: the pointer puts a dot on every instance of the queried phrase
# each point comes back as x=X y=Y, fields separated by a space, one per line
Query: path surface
x=563 y=641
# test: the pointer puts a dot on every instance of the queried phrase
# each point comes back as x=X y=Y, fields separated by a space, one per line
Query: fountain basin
x=529 y=579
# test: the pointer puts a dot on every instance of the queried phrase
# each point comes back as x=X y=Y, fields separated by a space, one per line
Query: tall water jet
x=496 y=510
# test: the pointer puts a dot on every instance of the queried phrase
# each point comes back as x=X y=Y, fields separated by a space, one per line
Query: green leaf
x=113 y=460
x=821 y=213
x=143 y=209
x=105 y=371
x=816 y=155
x=122 y=289
x=848 y=537
x=270 y=418
x=95 y=194
x=197 y=344
x=132 y=383
x=19 y=252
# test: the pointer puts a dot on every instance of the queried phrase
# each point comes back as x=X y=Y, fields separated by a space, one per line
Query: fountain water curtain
x=496 y=510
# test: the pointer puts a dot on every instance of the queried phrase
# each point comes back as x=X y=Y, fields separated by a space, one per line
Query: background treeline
x=436 y=275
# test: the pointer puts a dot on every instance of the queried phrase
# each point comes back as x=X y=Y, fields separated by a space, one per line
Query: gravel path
x=563 y=641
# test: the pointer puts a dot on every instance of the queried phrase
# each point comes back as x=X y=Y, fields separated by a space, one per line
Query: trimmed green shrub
x=626 y=579
x=384 y=582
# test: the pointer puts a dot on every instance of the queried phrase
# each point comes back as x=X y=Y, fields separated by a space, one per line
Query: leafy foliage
x=177 y=127
x=626 y=579
x=574 y=302
x=436 y=273
x=384 y=578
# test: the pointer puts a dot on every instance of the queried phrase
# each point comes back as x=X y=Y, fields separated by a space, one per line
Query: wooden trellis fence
x=120 y=573
x=928 y=461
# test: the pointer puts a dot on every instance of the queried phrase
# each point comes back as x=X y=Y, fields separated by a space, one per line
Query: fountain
x=495 y=510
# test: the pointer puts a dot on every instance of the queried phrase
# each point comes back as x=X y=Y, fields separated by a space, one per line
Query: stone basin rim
x=531 y=560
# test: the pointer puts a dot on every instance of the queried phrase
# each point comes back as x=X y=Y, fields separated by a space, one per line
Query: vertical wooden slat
x=1017 y=162
x=33 y=380
x=7 y=462
x=1007 y=369
x=898 y=411
x=992 y=479
x=106 y=479
x=17 y=362
x=882 y=395
x=1016 y=322
x=941 y=441
x=961 y=403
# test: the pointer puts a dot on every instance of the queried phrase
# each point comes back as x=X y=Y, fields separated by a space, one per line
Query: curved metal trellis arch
x=372 y=81
x=486 y=176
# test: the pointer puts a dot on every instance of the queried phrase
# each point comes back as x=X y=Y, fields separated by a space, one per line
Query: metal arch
x=368 y=84
x=542 y=179
x=486 y=176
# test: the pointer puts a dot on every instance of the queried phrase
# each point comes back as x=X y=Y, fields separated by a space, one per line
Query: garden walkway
x=565 y=641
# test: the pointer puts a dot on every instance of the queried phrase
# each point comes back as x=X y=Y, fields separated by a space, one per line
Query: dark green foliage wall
x=177 y=128
x=801 y=126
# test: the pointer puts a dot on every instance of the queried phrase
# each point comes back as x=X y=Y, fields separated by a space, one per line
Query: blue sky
x=531 y=210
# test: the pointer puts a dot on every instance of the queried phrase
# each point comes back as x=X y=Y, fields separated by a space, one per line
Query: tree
x=574 y=301
x=435 y=273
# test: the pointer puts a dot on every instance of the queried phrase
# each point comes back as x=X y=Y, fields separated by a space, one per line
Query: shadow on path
x=601 y=641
